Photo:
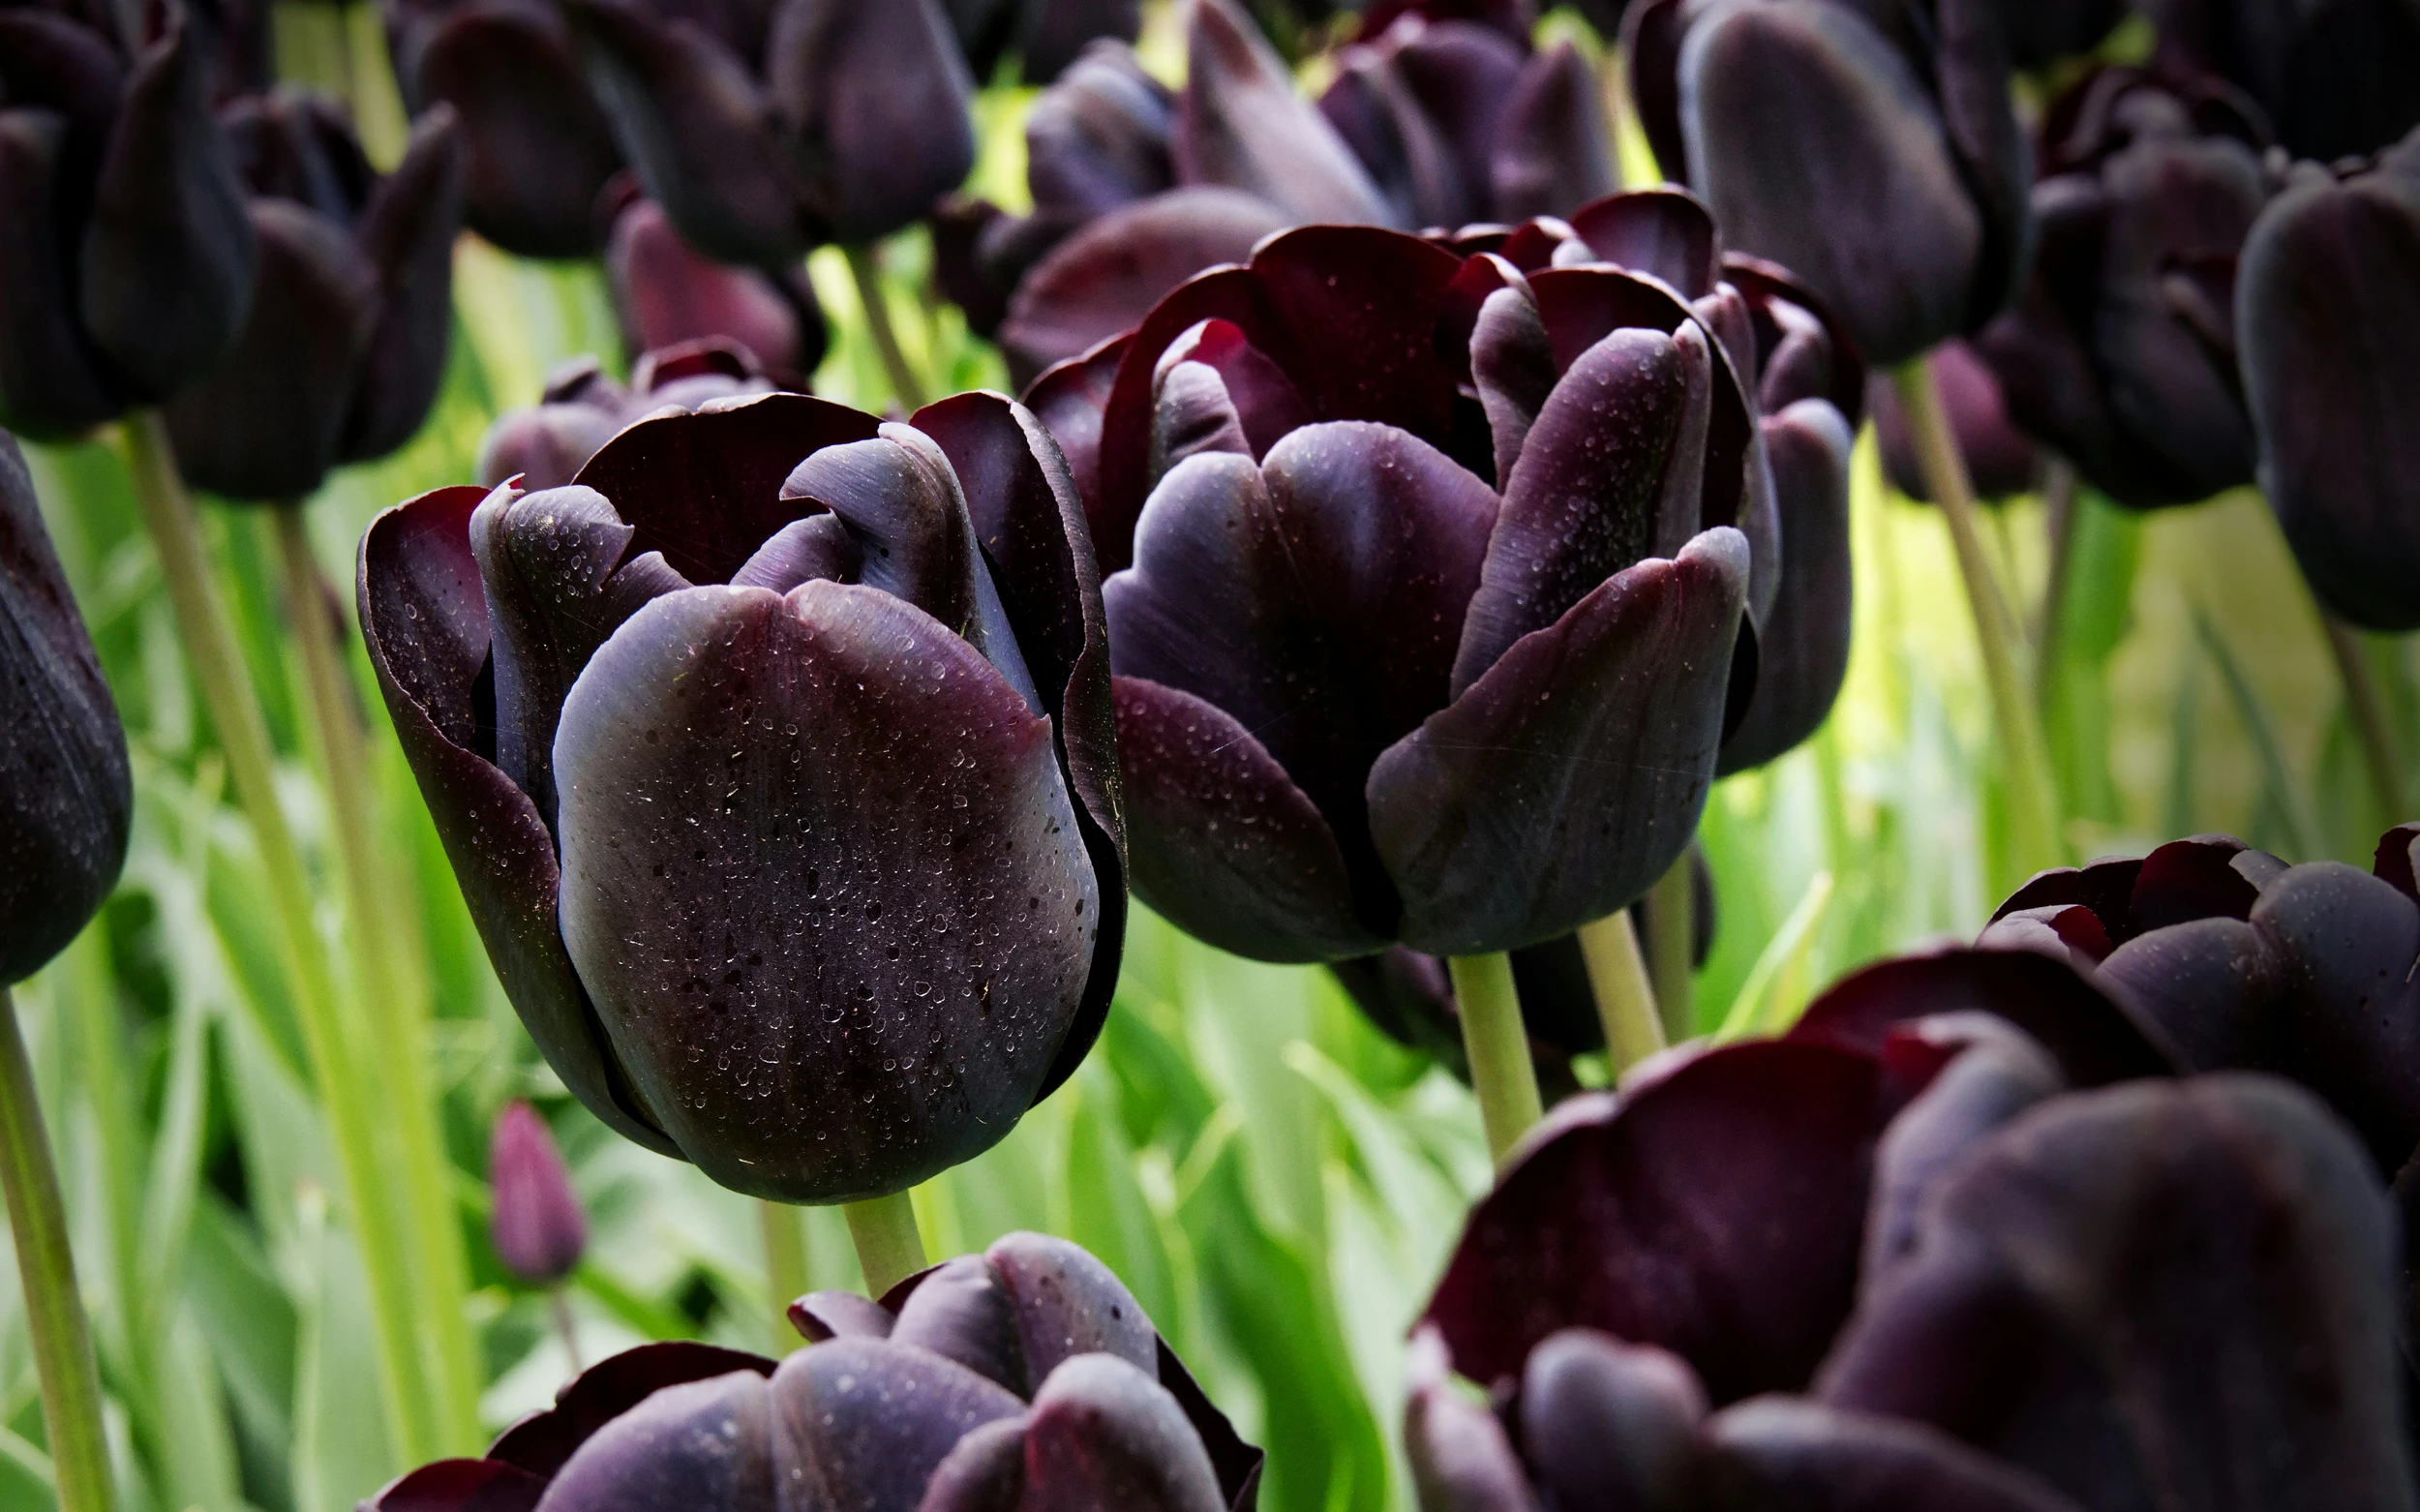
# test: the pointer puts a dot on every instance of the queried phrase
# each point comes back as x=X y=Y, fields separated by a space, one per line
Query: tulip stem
x=865 y=268
x=46 y=1267
x=565 y=1328
x=1626 y=1001
x=347 y=1099
x=2370 y=719
x=785 y=1266
x=397 y=1017
x=1671 y=946
x=2034 y=842
x=890 y=1248
x=1497 y=1044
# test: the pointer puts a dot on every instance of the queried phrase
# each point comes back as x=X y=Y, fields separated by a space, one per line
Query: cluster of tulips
x=1401 y=530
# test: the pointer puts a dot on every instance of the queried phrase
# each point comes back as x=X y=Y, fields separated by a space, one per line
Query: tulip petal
x=407 y=234
x=1803 y=651
x=1060 y=31
x=539 y=149
x=877 y=98
x=1070 y=400
x=1099 y=139
x=1665 y=233
x=1069 y=1304
x=905 y=513
x=1815 y=147
x=667 y=292
x=2235 y=1345
x=906 y=972
x=2399 y=860
x=460 y=1485
x=1238 y=1463
x=1553 y=151
x=1778 y=1451
x=66 y=797
x=1266 y=404
x=50 y=385
x=1104 y=1434
x=2094 y=1038
x=1223 y=841
x=865 y=1423
x=168 y=259
x=821 y=1316
x=2210 y=984
x=542 y=1442
x=424 y=620
x=1715 y=1213
x=1802 y=351
x=706 y=491
x=1512 y=365
x=1240 y=124
x=984 y=1471
x=707 y=1445
x=1562 y=784
x=960 y=1310
x=1461 y=1461
x=1606 y=1424
x=1107 y=276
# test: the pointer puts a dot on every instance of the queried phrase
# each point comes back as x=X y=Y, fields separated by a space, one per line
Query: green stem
x=890 y=1248
x=1497 y=1044
x=397 y=1016
x=2034 y=842
x=54 y=1311
x=785 y=1265
x=565 y=1329
x=346 y=1098
x=1671 y=946
x=2369 y=717
x=865 y=268
x=1625 y=1002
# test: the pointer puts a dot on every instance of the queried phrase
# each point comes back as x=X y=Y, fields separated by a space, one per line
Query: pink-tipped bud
x=535 y=1221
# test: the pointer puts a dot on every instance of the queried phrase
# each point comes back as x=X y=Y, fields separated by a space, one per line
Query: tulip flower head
x=1026 y=1378
x=65 y=792
x=127 y=269
x=534 y=1218
x=344 y=345
x=2337 y=78
x=2327 y=316
x=775 y=760
x=667 y=294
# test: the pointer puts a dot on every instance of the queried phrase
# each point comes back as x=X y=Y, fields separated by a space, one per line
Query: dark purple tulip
x=2121 y=352
x=534 y=1216
x=764 y=135
x=668 y=294
x=1026 y=1378
x=1512 y=19
x=2042 y=32
x=539 y=149
x=1872 y=150
x=2001 y=460
x=1044 y=36
x=65 y=792
x=2338 y=77
x=126 y=257
x=2327 y=312
x=581 y=409
x=344 y=347
x=1460 y=123
x=1428 y=790
x=1241 y=126
x=847 y=825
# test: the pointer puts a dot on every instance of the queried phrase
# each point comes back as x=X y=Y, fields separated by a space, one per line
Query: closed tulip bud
x=535 y=1217
x=2337 y=80
x=538 y=149
x=2002 y=461
x=1044 y=36
x=343 y=346
x=126 y=257
x=2328 y=317
x=65 y=793
x=787 y=810
x=1026 y=1378
x=668 y=294
x=1873 y=152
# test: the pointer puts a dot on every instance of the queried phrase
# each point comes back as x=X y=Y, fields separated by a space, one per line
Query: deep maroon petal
x=1777 y=1451
x=1240 y=124
x=865 y=1423
x=2212 y=986
x=823 y=1315
x=707 y=1445
x=726 y=763
x=2397 y=859
x=1071 y=401
x=960 y=1311
x=50 y=385
x=1107 y=277
x=460 y=1485
x=425 y=623
x=1554 y=150
x=1105 y=1435
x=407 y=234
x=2094 y=1038
x=1223 y=842
x=2105 y=886
x=540 y=150
x=984 y=1471
x=1610 y=1425
x=902 y=506
x=876 y=98
x=2203 y=877
x=1512 y=366
x=1802 y=349
x=1803 y=651
x=540 y=1443
x=1067 y=1303
x=1570 y=776
x=1667 y=232
x=1716 y=1213
x=2231 y=1344
x=705 y=490
x=667 y=292
x=1462 y=1460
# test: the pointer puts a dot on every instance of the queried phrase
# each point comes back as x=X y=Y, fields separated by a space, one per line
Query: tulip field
x=1194 y=755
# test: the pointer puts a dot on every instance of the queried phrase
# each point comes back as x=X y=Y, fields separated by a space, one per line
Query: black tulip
x=1241 y=126
x=539 y=149
x=2327 y=315
x=126 y=257
x=534 y=1218
x=2337 y=78
x=1872 y=150
x=667 y=294
x=1026 y=1378
x=65 y=792
x=343 y=346
x=810 y=873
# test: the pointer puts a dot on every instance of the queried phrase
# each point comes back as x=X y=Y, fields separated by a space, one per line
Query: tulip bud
x=65 y=793
x=2337 y=80
x=1027 y=1377
x=343 y=346
x=668 y=294
x=127 y=266
x=2328 y=316
x=794 y=833
x=535 y=1217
